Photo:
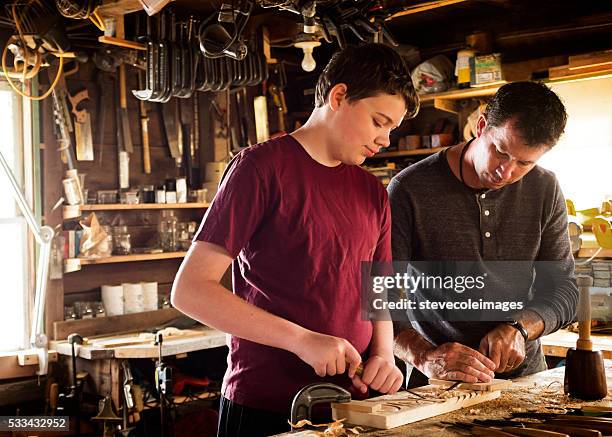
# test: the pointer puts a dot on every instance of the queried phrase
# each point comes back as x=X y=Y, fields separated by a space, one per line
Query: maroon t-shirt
x=298 y=231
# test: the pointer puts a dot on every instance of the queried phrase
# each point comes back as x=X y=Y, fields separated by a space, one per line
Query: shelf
x=459 y=94
x=114 y=324
x=399 y=153
x=446 y=100
x=75 y=264
x=73 y=211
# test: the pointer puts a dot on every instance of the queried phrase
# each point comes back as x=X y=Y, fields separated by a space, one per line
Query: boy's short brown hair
x=368 y=70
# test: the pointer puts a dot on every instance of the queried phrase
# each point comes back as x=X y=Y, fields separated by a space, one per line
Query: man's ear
x=481 y=125
x=337 y=95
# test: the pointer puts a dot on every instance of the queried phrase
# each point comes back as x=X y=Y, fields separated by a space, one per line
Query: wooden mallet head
x=585 y=375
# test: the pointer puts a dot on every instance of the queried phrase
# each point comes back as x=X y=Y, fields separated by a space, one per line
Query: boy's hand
x=327 y=355
x=380 y=374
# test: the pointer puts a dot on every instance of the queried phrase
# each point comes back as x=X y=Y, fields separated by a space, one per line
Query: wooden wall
x=102 y=173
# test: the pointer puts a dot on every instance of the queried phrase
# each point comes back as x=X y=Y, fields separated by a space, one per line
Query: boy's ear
x=337 y=95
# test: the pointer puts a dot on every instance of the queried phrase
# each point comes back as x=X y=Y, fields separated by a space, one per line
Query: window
x=14 y=232
x=582 y=158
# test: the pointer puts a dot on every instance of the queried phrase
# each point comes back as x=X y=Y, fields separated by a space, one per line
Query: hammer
x=317 y=393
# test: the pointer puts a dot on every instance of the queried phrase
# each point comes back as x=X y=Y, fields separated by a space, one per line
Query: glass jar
x=168 y=229
x=122 y=244
x=122 y=240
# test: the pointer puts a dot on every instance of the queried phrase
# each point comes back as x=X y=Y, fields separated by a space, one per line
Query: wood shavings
x=333 y=429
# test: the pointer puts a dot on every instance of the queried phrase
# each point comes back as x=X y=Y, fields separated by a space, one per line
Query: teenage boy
x=296 y=216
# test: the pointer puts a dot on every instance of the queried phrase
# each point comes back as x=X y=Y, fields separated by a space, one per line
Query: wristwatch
x=519 y=327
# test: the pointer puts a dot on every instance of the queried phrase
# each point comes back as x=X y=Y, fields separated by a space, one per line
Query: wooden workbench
x=540 y=389
x=208 y=339
x=103 y=364
x=557 y=343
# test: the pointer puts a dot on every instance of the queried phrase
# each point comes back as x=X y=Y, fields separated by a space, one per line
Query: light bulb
x=308 y=63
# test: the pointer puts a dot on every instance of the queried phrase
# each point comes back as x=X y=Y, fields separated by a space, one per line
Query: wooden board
x=202 y=338
x=496 y=384
x=390 y=411
x=142 y=338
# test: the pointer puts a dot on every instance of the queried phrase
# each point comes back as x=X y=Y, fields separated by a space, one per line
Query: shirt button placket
x=488 y=245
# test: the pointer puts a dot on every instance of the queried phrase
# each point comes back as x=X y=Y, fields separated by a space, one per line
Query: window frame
x=26 y=163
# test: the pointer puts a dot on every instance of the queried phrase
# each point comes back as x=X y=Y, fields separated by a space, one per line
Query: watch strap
x=520 y=328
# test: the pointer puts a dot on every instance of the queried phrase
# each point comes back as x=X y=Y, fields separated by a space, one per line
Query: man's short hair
x=368 y=70
x=538 y=112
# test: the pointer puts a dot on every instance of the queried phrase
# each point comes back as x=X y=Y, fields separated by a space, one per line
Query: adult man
x=298 y=216
x=487 y=200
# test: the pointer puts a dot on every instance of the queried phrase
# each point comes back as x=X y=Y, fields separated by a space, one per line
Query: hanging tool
x=274 y=92
x=144 y=129
x=123 y=112
x=172 y=131
x=128 y=398
x=123 y=157
x=585 y=375
x=124 y=125
x=82 y=126
x=195 y=151
x=152 y=69
x=163 y=383
x=63 y=123
x=70 y=404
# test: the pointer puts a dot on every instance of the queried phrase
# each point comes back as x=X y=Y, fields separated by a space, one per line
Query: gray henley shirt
x=435 y=217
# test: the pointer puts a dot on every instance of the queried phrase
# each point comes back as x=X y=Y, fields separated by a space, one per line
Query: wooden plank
x=119 y=7
x=143 y=338
x=10 y=367
x=114 y=324
x=566 y=71
x=409 y=10
x=496 y=384
x=122 y=43
x=403 y=407
x=460 y=94
x=594 y=58
x=207 y=338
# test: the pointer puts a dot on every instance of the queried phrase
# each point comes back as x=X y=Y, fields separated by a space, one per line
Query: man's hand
x=455 y=361
x=380 y=374
x=326 y=354
x=505 y=346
